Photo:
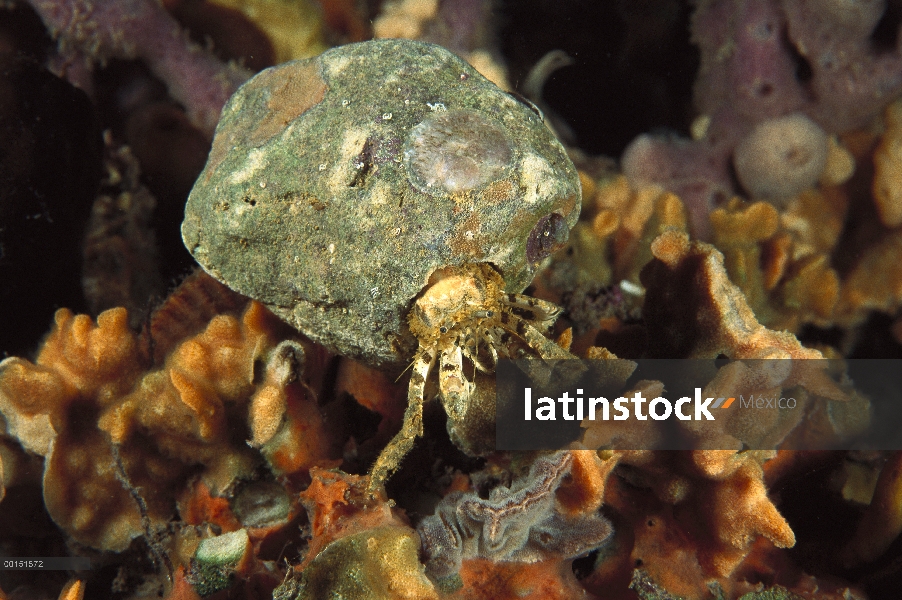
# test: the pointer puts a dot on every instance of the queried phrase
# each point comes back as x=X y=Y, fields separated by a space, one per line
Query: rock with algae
x=360 y=172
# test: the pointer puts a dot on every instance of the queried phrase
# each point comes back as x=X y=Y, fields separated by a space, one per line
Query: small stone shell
x=336 y=186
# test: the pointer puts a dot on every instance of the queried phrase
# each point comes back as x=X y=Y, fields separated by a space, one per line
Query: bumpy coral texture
x=821 y=259
x=705 y=513
x=828 y=257
x=107 y=426
x=692 y=517
x=48 y=407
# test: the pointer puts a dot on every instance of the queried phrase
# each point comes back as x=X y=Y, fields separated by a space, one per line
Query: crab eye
x=549 y=235
x=443 y=329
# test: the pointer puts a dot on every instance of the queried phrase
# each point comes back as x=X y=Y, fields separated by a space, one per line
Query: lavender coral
x=98 y=30
x=760 y=61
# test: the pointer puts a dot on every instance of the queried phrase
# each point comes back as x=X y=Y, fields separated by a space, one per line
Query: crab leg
x=478 y=363
x=470 y=341
x=545 y=348
x=489 y=340
x=545 y=313
x=412 y=427
x=454 y=387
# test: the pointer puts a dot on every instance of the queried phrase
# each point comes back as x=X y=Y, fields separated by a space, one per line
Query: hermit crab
x=390 y=203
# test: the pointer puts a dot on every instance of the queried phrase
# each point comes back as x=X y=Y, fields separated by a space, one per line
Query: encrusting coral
x=107 y=425
x=41 y=404
x=686 y=527
x=708 y=508
x=796 y=265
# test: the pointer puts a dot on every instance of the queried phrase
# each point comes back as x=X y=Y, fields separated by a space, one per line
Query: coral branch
x=142 y=29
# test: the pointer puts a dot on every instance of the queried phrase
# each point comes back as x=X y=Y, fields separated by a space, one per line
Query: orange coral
x=888 y=168
x=812 y=261
x=875 y=282
x=107 y=430
x=692 y=310
x=186 y=312
x=583 y=489
x=374 y=390
x=688 y=290
x=74 y=590
x=181 y=589
x=185 y=405
x=739 y=512
x=687 y=526
x=338 y=505
x=550 y=579
x=48 y=407
x=201 y=507
x=405 y=18
x=630 y=218
x=781 y=261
